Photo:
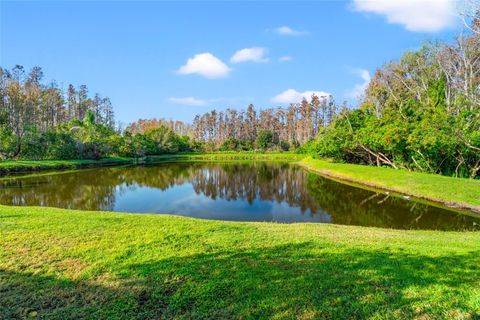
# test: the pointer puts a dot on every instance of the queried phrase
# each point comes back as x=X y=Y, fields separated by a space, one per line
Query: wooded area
x=277 y=128
x=420 y=113
x=295 y=125
x=39 y=121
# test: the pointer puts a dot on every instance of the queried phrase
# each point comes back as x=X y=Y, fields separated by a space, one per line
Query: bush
x=229 y=145
x=264 y=139
x=284 y=145
x=61 y=145
x=33 y=145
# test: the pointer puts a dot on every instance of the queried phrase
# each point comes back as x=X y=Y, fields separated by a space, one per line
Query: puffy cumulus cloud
x=206 y=65
x=254 y=54
x=188 y=101
x=285 y=59
x=287 y=31
x=414 y=15
x=293 y=96
x=359 y=89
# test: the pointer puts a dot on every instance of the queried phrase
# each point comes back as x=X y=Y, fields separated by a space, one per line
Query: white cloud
x=254 y=54
x=285 y=59
x=206 y=65
x=293 y=96
x=287 y=31
x=188 y=101
x=414 y=15
x=359 y=89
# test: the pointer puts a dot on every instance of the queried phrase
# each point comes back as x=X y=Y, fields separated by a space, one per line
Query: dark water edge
x=258 y=191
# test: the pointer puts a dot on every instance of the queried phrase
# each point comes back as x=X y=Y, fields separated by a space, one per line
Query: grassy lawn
x=451 y=191
x=61 y=264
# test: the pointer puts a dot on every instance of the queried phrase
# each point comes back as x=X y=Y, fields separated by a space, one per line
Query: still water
x=259 y=191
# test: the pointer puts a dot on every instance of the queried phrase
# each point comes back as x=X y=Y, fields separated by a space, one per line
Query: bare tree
x=470 y=14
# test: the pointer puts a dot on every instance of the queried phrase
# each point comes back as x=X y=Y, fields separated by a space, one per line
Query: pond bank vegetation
x=450 y=191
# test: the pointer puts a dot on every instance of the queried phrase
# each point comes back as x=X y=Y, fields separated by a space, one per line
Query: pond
x=259 y=191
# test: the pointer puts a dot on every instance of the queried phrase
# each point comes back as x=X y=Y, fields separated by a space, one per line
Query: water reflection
x=229 y=191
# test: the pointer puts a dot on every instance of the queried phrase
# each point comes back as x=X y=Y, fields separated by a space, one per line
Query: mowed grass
x=61 y=264
x=458 y=192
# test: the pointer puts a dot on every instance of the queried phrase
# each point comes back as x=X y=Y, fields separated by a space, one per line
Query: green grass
x=451 y=191
x=61 y=264
x=14 y=166
x=229 y=156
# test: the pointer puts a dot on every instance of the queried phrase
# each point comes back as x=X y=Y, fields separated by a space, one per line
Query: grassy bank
x=15 y=166
x=61 y=264
x=229 y=156
x=458 y=192
x=8 y=167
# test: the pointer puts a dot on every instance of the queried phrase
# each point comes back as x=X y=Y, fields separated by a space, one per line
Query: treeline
x=42 y=121
x=144 y=125
x=419 y=113
x=28 y=104
x=278 y=129
x=271 y=128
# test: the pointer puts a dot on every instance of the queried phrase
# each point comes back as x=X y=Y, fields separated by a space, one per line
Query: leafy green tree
x=284 y=145
x=230 y=144
x=7 y=138
x=419 y=113
x=161 y=141
x=264 y=139
x=61 y=145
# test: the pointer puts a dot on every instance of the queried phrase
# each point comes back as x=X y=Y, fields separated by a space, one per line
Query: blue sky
x=177 y=59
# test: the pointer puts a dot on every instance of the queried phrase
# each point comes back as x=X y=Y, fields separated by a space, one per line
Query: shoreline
x=8 y=168
x=337 y=174
x=13 y=167
x=455 y=193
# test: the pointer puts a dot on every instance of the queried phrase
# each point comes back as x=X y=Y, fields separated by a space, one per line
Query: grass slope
x=61 y=264
x=459 y=192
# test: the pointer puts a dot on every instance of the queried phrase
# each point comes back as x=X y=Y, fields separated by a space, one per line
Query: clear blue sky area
x=137 y=52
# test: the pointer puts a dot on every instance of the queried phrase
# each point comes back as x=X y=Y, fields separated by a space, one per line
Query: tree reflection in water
x=257 y=191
